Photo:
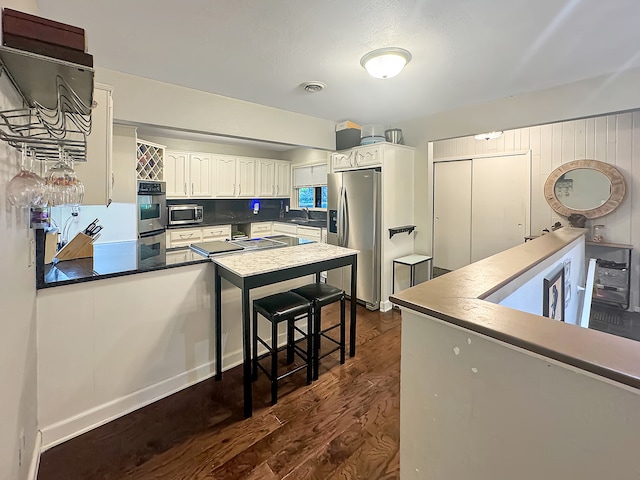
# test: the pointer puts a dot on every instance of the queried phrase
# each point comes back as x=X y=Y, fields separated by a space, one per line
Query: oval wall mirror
x=586 y=187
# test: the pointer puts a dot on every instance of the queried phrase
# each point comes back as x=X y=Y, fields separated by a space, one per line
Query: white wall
x=614 y=139
x=142 y=101
x=474 y=407
x=18 y=377
x=108 y=347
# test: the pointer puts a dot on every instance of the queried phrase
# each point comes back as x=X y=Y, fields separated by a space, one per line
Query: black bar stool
x=277 y=308
x=320 y=295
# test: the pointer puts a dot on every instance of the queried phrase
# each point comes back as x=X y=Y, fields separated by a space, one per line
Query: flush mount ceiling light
x=488 y=136
x=385 y=62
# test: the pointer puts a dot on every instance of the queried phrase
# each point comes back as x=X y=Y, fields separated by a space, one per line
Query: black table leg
x=246 y=352
x=318 y=276
x=217 y=322
x=352 y=323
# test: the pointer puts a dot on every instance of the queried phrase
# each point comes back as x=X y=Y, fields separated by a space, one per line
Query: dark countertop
x=126 y=258
x=313 y=222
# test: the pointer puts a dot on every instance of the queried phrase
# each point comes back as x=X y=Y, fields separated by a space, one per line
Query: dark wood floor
x=343 y=426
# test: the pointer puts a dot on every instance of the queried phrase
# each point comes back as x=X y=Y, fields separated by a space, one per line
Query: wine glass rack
x=57 y=97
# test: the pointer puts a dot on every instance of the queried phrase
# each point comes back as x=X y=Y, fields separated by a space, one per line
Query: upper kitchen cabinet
x=97 y=172
x=234 y=176
x=273 y=178
x=188 y=174
x=360 y=157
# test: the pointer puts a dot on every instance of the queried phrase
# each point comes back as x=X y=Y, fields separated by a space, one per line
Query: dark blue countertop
x=124 y=258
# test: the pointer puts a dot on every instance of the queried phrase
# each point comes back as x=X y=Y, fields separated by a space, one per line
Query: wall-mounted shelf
x=58 y=97
x=402 y=229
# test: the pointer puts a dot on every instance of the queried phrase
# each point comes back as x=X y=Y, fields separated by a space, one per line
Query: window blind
x=310 y=176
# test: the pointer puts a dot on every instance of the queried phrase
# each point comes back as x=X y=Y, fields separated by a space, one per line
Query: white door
x=175 y=169
x=266 y=182
x=452 y=214
x=283 y=179
x=200 y=174
x=225 y=176
x=246 y=177
x=500 y=204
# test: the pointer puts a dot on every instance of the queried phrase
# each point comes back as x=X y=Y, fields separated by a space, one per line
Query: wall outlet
x=32 y=252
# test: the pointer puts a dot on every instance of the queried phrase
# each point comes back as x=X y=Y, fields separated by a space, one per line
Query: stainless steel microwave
x=185 y=214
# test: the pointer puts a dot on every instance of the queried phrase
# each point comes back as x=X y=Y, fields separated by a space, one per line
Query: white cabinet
x=358 y=157
x=283 y=179
x=266 y=177
x=183 y=237
x=310 y=233
x=97 y=172
x=188 y=174
x=234 y=176
x=273 y=178
x=261 y=229
x=246 y=177
x=219 y=232
x=224 y=178
x=175 y=173
x=290 y=229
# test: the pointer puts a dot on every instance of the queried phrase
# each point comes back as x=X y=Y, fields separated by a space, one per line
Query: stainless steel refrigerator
x=354 y=221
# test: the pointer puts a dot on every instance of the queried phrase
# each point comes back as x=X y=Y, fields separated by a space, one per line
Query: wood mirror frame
x=618 y=188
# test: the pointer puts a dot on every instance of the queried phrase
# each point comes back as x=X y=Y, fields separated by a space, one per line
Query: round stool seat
x=320 y=293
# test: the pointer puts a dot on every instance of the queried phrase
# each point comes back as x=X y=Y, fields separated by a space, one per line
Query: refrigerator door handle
x=377 y=247
x=345 y=218
x=340 y=217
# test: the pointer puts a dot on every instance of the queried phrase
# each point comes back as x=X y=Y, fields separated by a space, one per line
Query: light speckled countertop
x=271 y=260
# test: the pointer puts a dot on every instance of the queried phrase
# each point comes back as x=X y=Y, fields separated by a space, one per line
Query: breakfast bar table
x=250 y=270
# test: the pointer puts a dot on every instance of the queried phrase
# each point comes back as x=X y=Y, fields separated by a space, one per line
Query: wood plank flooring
x=343 y=426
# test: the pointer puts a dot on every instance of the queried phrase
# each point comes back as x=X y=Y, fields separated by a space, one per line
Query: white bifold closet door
x=481 y=207
x=452 y=214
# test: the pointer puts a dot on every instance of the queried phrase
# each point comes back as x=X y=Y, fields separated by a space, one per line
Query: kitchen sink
x=308 y=222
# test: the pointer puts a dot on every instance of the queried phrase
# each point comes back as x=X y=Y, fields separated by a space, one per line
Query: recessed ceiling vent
x=313 y=87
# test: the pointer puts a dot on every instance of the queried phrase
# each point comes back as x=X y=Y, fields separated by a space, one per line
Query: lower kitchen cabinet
x=310 y=233
x=183 y=237
x=285 y=229
x=262 y=229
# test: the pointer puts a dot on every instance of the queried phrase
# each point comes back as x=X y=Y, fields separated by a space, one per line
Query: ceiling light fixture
x=385 y=62
x=488 y=136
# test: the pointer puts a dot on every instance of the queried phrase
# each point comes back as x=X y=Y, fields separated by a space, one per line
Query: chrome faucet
x=306 y=212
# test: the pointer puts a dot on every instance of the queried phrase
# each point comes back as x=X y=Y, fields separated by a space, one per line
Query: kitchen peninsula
x=114 y=342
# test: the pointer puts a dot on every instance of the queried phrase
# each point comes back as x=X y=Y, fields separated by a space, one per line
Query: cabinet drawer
x=310 y=233
x=261 y=229
x=220 y=231
x=184 y=235
x=285 y=228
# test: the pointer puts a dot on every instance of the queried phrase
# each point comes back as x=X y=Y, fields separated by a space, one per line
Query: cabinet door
x=175 y=171
x=283 y=179
x=200 y=175
x=246 y=176
x=225 y=176
x=183 y=237
x=368 y=156
x=290 y=229
x=266 y=178
x=96 y=173
x=310 y=233
x=343 y=161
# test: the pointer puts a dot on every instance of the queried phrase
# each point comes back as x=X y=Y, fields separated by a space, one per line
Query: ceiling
x=464 y=51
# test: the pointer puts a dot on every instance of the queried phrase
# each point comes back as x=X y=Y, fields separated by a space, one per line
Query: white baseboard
x=385 y=306
x=69 y=428
x=35 y=457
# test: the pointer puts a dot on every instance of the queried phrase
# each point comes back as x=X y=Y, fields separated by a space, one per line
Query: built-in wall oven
x=152 y=223
x=152 y=207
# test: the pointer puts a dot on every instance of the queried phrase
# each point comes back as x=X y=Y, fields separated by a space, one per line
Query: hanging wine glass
x=65 y=188
x=26 y=189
